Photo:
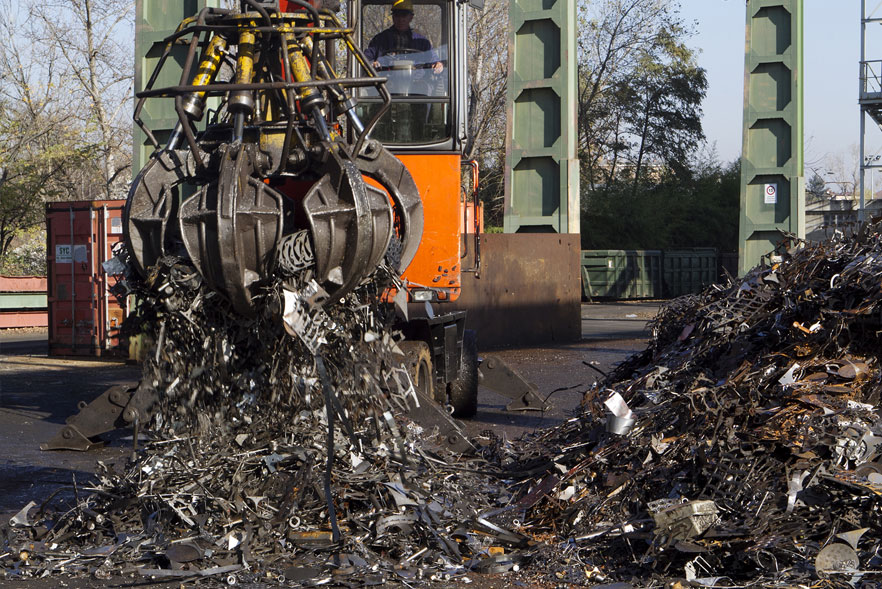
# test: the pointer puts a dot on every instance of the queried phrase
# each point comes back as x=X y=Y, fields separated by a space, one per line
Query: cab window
x=410 y=48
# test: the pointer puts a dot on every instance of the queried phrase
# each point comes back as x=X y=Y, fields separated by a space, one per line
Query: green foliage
x=816 y=188
x=699 y=210
x=27 y=257
x=640 y=95
x=640 y=92
x=65 y=87
x=661 y=105
x=36 y=151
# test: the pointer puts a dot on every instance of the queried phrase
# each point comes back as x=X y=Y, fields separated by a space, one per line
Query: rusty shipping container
x=84 y=317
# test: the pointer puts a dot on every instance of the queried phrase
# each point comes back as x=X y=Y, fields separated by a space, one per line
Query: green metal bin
x=621 y=274
x=689 y=271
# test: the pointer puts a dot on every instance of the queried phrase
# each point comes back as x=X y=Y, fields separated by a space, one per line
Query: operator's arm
x=421 y=43
x=376 y=48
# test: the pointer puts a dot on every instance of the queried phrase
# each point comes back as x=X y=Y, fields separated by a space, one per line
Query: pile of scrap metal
x=742 y=448
x=280 y=452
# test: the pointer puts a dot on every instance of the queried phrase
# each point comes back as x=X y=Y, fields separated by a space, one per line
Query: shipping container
x=23 y=301
x=84 y=317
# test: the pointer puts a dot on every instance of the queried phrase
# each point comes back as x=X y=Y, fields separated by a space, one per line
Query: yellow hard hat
x=403 y=5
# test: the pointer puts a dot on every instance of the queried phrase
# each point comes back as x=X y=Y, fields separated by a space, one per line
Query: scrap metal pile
x=281 y=454
x=741 y=447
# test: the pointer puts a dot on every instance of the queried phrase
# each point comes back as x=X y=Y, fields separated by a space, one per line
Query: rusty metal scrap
x=755 y=436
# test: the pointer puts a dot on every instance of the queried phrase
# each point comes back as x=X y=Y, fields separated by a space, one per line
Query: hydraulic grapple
x=266 y=167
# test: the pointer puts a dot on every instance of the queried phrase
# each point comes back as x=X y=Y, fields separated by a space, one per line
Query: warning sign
x=771 y=194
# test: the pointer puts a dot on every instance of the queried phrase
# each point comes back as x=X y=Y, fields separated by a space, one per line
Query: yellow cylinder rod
x=194 y=104
x=299 y=66
x=241 y=102
x=322 y=68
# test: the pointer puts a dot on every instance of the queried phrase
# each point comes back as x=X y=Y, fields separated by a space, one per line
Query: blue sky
x=832 y=53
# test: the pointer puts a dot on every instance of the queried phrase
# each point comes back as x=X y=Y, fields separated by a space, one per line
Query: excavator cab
x=419 y=46
x=413 y=51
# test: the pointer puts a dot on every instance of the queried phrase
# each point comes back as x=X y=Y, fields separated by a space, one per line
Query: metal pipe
x=241 y=102
x=73 y=286
x=863 y=117
x=261 y=10
x=224 y=88
x=93 y=295
x=106 y=299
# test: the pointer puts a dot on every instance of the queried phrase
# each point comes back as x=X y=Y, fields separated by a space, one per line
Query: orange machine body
x=437 y=265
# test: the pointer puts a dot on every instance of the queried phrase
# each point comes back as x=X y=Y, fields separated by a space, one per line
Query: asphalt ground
x=38 y=393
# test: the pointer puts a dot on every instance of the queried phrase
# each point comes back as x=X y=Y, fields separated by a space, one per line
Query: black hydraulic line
x=260 y=10
x=188 y=133
x=311 y=9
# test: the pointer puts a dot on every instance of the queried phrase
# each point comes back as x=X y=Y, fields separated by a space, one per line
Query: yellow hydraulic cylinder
x=242 y=101
x=300 y=71
x=194 y=103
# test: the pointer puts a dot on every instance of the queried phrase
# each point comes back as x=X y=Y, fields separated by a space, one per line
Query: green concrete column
x=542 y=167
x=154 y=20
x=772 y=165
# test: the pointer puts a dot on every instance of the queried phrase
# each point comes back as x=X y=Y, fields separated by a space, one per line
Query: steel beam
x=154 y=20
x=542 y=167
x=772 y=164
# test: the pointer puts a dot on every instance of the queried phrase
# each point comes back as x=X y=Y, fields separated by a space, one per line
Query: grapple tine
x=378 y=163
x=350 y=224
x=231 y=228
x=151 y=203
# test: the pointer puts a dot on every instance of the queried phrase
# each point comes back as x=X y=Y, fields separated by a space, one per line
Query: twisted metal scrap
x=271 y=461
x=761 y=396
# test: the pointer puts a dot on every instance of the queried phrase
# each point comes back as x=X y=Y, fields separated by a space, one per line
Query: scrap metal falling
x=278 y=450
x=741 y=448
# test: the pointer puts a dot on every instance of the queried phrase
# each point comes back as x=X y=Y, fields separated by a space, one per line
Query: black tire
x=462 y=393
x=418 y=359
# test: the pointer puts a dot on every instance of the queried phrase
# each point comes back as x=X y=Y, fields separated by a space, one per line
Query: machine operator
x=400 y=37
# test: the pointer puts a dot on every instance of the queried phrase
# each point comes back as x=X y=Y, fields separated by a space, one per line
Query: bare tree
x=39 y=142
x=488 y=39
x=488 y=73
x=614 y=35
x=93 y=41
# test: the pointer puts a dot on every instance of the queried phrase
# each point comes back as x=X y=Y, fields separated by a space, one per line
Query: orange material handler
x=313 y=162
